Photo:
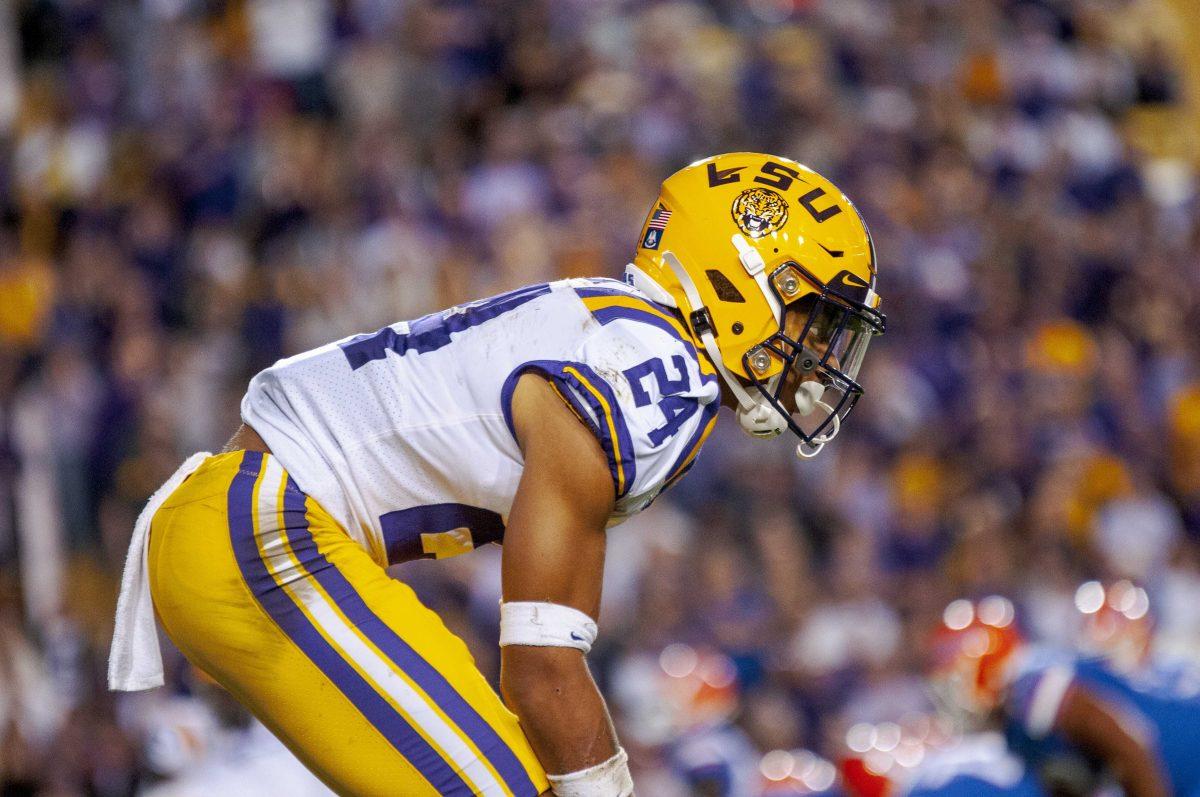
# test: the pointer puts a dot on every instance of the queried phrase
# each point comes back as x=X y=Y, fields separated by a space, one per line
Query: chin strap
x=753 y=262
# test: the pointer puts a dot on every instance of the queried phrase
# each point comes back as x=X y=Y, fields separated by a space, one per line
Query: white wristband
x=545 y=625
x=608 y=779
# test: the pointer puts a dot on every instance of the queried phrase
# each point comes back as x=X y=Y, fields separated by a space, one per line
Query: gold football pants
x=264 y=591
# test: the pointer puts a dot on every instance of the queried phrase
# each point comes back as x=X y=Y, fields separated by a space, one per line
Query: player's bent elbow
x=532 y=678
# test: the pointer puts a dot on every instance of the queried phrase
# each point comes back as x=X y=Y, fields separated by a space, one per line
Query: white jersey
x=405 y=435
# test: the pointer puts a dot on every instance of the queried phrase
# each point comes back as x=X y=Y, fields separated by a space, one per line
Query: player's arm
x=554 y=554
x=1099 y=729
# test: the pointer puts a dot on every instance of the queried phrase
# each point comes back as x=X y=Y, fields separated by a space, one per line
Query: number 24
x=677 y=409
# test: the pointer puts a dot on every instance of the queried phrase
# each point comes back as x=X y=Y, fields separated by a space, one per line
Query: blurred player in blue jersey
x=977 y=765
x=1118 y=625
x=537 y=418
x=1070 y=717
x=678 y=705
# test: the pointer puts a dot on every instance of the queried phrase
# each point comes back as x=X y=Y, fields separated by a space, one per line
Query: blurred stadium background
x=193 y=188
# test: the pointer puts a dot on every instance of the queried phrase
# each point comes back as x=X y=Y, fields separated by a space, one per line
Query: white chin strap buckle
x=761 y=420
x=759 y=417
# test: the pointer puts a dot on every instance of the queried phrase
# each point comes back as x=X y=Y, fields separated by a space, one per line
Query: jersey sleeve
x=1036 y=692
x=644 y=393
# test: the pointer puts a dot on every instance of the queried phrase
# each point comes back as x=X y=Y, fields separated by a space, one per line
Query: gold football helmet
x=774 y=270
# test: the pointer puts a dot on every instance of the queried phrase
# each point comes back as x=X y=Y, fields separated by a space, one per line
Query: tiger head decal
x=759 y=211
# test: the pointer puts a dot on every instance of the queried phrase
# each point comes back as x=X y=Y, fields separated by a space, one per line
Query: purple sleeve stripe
x=603 y=401
x=593 y=400
x=552 y=370
x=287 y=615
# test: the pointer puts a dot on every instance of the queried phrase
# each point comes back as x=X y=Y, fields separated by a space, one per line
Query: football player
x=1070 y=717
x=1117 y=624
x=680 y=705
x=977 y=765
x=536 y=418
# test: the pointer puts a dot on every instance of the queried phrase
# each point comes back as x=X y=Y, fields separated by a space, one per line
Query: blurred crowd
x=191 y=189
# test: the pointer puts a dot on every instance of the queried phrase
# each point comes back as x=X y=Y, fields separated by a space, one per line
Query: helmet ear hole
x=726 y=291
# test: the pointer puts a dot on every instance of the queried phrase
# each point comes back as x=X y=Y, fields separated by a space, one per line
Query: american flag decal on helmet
x=655 y=227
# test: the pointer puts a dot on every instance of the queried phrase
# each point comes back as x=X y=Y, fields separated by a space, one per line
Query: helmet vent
x=726 y=290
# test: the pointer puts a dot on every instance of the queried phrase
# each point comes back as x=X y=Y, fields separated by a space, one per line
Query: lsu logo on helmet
x=759 y=211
